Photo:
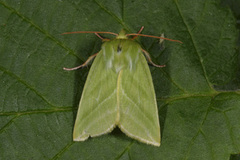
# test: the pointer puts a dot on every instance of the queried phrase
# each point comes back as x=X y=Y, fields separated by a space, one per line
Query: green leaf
x=197 y=91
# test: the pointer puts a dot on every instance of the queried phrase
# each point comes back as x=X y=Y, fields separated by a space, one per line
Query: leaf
x=197 y=91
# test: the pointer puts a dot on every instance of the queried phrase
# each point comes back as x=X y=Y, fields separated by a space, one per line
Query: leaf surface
x=197 y=92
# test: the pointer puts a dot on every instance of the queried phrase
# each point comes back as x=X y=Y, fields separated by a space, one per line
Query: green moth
x=118 y=92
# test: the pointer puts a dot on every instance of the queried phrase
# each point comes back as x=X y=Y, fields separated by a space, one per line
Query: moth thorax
x=121 y=56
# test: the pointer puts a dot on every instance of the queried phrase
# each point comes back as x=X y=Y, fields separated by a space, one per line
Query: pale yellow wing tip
x=81 y=137
x=85 y=135
x=154 y=142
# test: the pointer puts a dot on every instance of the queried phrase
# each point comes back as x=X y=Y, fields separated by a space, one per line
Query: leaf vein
x=195 y=47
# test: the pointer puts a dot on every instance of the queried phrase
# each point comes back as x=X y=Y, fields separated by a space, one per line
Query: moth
x=119 y=91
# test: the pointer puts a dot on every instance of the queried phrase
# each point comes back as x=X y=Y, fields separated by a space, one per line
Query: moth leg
x=138 y=32
x=103 y=39
x=82 y=65
x=149 y=59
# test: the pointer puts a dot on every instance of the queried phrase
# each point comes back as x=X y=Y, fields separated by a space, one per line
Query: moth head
x=122 y=35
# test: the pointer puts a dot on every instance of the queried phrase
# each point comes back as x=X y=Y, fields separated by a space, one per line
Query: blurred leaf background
x=197 y=92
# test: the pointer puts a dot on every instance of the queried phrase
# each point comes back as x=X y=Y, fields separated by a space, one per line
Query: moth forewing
x=97 y=108
x=138 y=107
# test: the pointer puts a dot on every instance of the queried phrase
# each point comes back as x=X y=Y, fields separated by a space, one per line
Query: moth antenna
x=91 y=32
x=144 y=35
x=82 y=65
x=150 y=61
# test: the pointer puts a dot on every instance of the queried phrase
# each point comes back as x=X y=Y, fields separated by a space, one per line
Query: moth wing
x=98 y=105
x=138 y=107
